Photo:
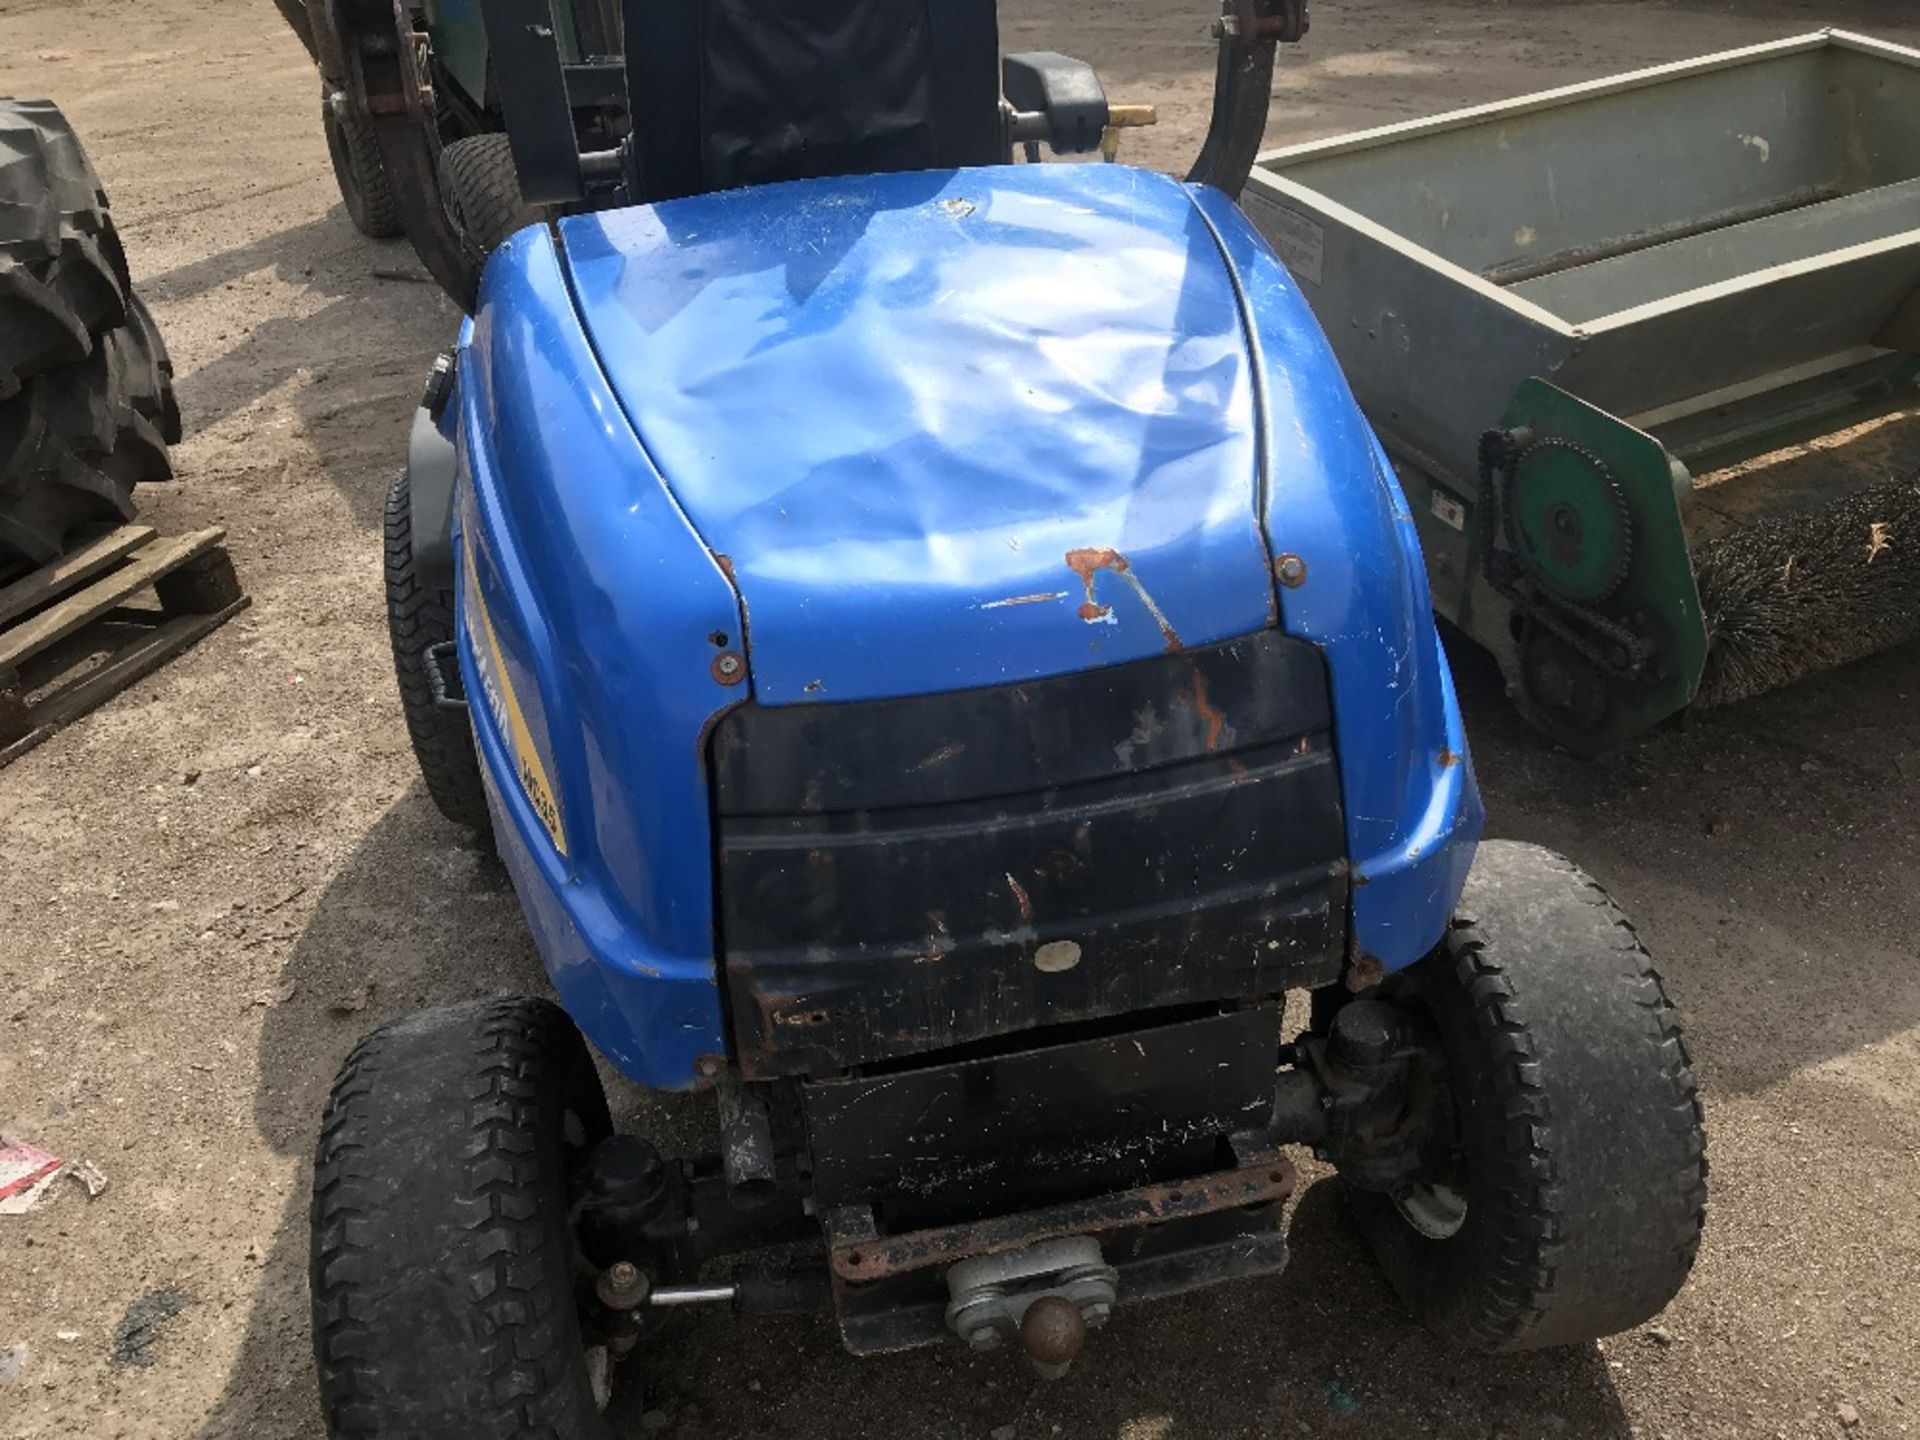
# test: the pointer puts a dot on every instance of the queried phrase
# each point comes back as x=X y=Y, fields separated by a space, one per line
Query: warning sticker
x=508 y=718
x=1447 y=510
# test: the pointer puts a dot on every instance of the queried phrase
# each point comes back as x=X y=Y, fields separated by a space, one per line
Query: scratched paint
x=953 y=749
x=940 y=941
x=1044 y=598
x=1021 y=899
x=1146 y=728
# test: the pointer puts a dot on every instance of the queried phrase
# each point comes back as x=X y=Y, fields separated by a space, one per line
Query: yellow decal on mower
x=504 y=706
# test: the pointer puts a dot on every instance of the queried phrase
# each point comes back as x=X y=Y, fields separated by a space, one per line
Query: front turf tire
x=1582 y=1154
x=442 y=1263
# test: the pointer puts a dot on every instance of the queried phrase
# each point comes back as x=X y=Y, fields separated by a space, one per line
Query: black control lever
x=1248 y=32
x=1054 y=98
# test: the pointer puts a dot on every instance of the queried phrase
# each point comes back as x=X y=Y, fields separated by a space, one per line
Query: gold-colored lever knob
x=1124 y=117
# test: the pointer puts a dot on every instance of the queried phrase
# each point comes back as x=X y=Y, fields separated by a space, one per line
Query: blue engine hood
x=938 y=431
x=943 y=429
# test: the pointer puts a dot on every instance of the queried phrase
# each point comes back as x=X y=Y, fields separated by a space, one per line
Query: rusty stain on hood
x=1088 y=562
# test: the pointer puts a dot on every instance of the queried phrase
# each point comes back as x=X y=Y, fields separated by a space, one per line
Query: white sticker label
x=1302 y=244
x=1448 y=510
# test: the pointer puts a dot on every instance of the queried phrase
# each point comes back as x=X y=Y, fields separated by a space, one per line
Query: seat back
x=726 y=93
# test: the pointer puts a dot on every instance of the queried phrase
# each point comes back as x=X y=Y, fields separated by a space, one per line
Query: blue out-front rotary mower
x=942 y=656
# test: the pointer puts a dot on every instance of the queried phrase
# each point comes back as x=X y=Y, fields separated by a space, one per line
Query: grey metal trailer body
x=1706 y=263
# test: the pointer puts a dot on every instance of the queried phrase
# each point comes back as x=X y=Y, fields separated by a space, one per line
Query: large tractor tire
x=86 y=389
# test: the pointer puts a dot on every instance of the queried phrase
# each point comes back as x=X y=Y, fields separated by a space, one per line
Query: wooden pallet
x=87 y=626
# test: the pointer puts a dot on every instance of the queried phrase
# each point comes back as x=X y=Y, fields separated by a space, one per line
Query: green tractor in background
x=411 y=106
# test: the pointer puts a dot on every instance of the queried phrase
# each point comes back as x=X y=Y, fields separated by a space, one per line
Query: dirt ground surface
x=210 y=887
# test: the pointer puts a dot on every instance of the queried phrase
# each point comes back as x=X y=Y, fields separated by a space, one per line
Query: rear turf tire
x=443 y=1268
x=360 y=173
x=1582 y=1155
x=86 y=388
x=418 y=618
x=481 y=190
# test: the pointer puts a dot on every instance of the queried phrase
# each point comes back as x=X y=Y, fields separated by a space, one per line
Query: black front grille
x=905 y=876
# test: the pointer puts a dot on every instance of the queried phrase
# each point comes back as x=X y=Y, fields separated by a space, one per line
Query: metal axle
x=667 y=1295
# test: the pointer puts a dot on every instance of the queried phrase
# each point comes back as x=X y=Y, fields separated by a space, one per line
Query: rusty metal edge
x=858 y=1258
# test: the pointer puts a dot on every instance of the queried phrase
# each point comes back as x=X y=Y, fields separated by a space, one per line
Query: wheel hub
x=1435 y=1210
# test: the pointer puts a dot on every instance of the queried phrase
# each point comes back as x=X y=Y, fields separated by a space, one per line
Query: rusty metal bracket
x=858 y=1254
x=1248 y=32
x=1284 y=20
x=384 y=64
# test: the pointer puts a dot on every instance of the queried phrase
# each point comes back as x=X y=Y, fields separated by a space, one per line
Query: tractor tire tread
x=482 y=191
x=478 y=1335
x=361 y=173
x=1592 y=1235
x=87 y=407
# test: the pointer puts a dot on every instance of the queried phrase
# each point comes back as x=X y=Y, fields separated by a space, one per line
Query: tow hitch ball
x=1371 y=1096
x=1046 y=1295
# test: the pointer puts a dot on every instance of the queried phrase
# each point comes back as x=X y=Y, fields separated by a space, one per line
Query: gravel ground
x=209 y=888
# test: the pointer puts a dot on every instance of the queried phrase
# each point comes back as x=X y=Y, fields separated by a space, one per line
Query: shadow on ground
x=1767 y=852
x=417 y=917
x=346 y=367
